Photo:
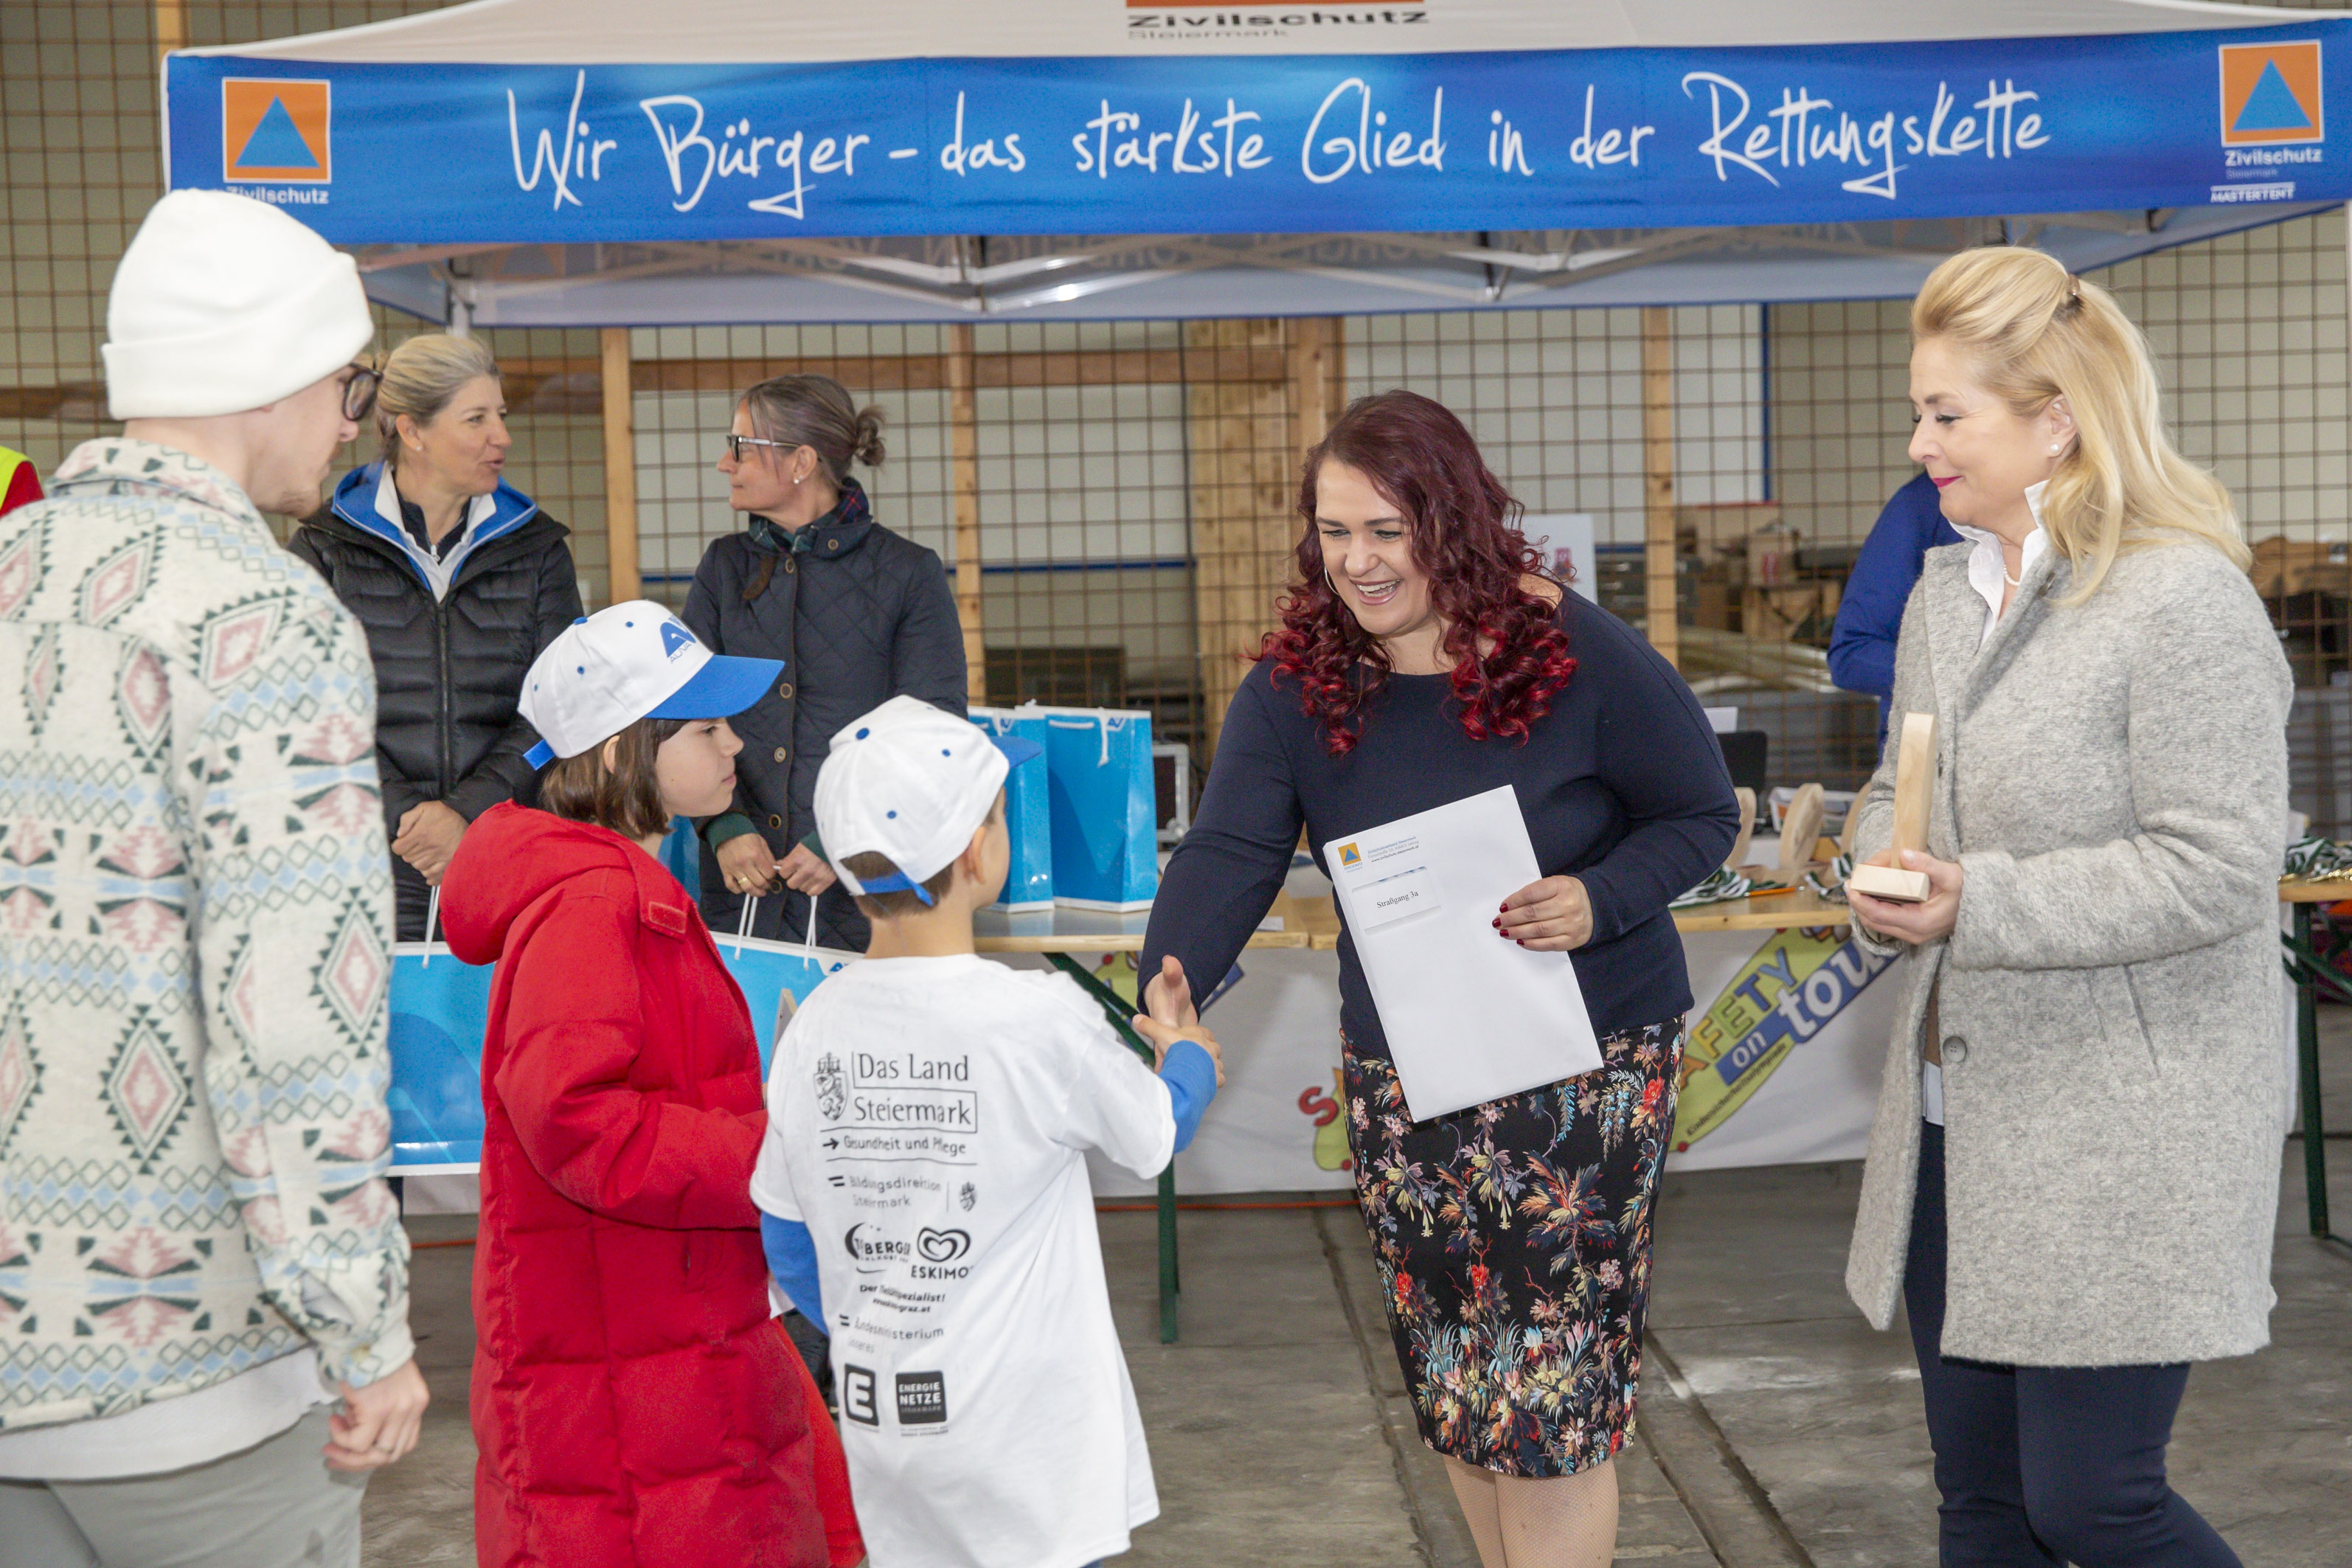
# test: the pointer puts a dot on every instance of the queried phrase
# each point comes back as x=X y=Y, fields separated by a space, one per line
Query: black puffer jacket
x=446 y=672
x=859 y=615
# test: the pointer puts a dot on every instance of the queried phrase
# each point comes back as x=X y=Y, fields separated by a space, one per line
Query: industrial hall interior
x=1416 y=784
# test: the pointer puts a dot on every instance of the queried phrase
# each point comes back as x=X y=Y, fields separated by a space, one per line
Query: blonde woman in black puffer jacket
x=460 y=581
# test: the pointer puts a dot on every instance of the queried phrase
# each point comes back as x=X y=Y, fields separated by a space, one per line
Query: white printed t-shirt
x=927 y=1118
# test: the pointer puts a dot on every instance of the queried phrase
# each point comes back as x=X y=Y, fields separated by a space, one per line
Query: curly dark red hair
x=1462 y=528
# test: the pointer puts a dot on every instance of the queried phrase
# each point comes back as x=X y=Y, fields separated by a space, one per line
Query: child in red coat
x=633 y=1406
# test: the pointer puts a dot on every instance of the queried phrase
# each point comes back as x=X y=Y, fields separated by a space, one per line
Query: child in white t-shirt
x=925 y=1182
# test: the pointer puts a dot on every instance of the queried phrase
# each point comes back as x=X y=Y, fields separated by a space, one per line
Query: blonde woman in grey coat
x=2074 y=1169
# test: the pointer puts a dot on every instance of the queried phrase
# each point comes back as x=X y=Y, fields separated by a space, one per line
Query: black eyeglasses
x=359 y=393
x=735 y=445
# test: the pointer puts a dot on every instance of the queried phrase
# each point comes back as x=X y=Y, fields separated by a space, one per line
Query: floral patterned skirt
x=1514 y=1239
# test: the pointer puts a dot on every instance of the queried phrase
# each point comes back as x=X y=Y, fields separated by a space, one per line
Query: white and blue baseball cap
x=633 y=661
x=913 y=782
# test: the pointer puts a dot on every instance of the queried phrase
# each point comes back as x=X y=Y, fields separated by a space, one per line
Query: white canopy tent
x=1439 y=243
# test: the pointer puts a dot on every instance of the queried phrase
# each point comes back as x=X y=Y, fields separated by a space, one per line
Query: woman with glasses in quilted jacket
x=857 y=614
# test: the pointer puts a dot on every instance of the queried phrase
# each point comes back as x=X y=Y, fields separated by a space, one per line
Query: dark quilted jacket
x=859 y=615
x=446 y=673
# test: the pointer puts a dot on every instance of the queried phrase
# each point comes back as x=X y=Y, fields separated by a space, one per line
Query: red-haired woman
x=1420 y=660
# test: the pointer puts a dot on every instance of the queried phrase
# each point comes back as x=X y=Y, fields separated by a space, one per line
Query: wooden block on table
x=1738 y=855
x=1801 y=824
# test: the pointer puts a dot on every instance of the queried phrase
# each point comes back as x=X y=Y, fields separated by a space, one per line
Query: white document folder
x=1469 y=1016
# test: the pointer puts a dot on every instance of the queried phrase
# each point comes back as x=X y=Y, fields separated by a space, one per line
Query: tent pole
x=963 y=426
x=620 y=471
x=170 y=26
x=1658 y=481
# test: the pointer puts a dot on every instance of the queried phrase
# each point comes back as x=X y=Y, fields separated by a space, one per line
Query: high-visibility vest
x=20 y=482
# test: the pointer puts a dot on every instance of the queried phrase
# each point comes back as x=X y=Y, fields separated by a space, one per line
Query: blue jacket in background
x=1862 y=644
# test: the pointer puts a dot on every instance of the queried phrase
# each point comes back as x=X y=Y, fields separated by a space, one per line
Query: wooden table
x=1314 y=924
x=2313 y=967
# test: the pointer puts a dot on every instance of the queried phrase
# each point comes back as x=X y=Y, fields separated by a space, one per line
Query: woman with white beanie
x=200 y=999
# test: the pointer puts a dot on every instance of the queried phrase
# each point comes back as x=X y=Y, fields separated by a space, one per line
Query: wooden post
x=1245 y=471
x=1658 y=481
x=963 y=427
x=170 y=26
x=1318 y=377
x=621 y=581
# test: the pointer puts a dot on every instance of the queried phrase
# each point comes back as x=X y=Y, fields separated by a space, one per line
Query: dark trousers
x=2044 y=1464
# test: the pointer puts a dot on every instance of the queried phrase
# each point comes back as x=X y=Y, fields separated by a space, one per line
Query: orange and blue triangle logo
x=276 y=130
x=2271 y=94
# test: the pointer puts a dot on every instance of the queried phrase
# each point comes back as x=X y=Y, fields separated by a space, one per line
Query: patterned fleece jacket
x=196 y=917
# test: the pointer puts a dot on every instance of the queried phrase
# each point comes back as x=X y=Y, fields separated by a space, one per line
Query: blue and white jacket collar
x=367 y=500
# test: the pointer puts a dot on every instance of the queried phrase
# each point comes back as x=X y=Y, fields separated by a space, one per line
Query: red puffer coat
x=630 y=1404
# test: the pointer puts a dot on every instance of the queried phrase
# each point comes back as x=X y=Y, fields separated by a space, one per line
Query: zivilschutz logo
x=2271 y=94
x=276 y=130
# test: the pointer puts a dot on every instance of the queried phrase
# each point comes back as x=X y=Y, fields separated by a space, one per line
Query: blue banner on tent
x=1596 y=139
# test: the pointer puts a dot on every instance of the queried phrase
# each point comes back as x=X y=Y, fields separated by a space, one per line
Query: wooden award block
x=1914 y=789
x=1800 y=827
x=1738 y=855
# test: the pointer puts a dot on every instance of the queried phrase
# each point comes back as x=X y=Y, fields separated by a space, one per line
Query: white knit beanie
x=224 y=303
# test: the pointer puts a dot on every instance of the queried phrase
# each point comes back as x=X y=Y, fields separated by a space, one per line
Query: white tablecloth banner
x=1786 y=1046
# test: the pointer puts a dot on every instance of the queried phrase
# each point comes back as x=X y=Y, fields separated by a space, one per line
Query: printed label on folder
x=1391 y=881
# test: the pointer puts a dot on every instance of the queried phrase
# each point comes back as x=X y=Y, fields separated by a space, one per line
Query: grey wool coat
x=2110 y=776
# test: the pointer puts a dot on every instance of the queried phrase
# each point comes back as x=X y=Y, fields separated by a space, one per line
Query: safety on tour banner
x=1255 y=143
x=1790 y=993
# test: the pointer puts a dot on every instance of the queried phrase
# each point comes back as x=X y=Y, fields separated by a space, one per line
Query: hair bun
x=867 y=447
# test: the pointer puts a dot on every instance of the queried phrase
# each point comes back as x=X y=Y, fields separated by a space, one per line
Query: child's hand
x=1163 y=1036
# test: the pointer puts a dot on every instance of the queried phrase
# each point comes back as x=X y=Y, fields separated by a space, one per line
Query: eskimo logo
x=2271 y=94
x=276 y=130
x=943 y=1245
x=676 y=638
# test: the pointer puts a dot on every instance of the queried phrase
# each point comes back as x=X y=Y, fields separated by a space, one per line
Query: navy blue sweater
x=1621 y=785
x=1862 y=644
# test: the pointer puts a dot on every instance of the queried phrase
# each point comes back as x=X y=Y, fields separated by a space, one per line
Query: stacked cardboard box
x=1744 y=572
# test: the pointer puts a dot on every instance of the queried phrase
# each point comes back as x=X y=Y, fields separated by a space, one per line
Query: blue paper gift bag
x=1098 y=783
x=776 y=977
x=1028 y=813
x=439 y=1009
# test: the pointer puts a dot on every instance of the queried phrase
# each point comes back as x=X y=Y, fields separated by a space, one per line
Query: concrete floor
x=1777 y=1429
